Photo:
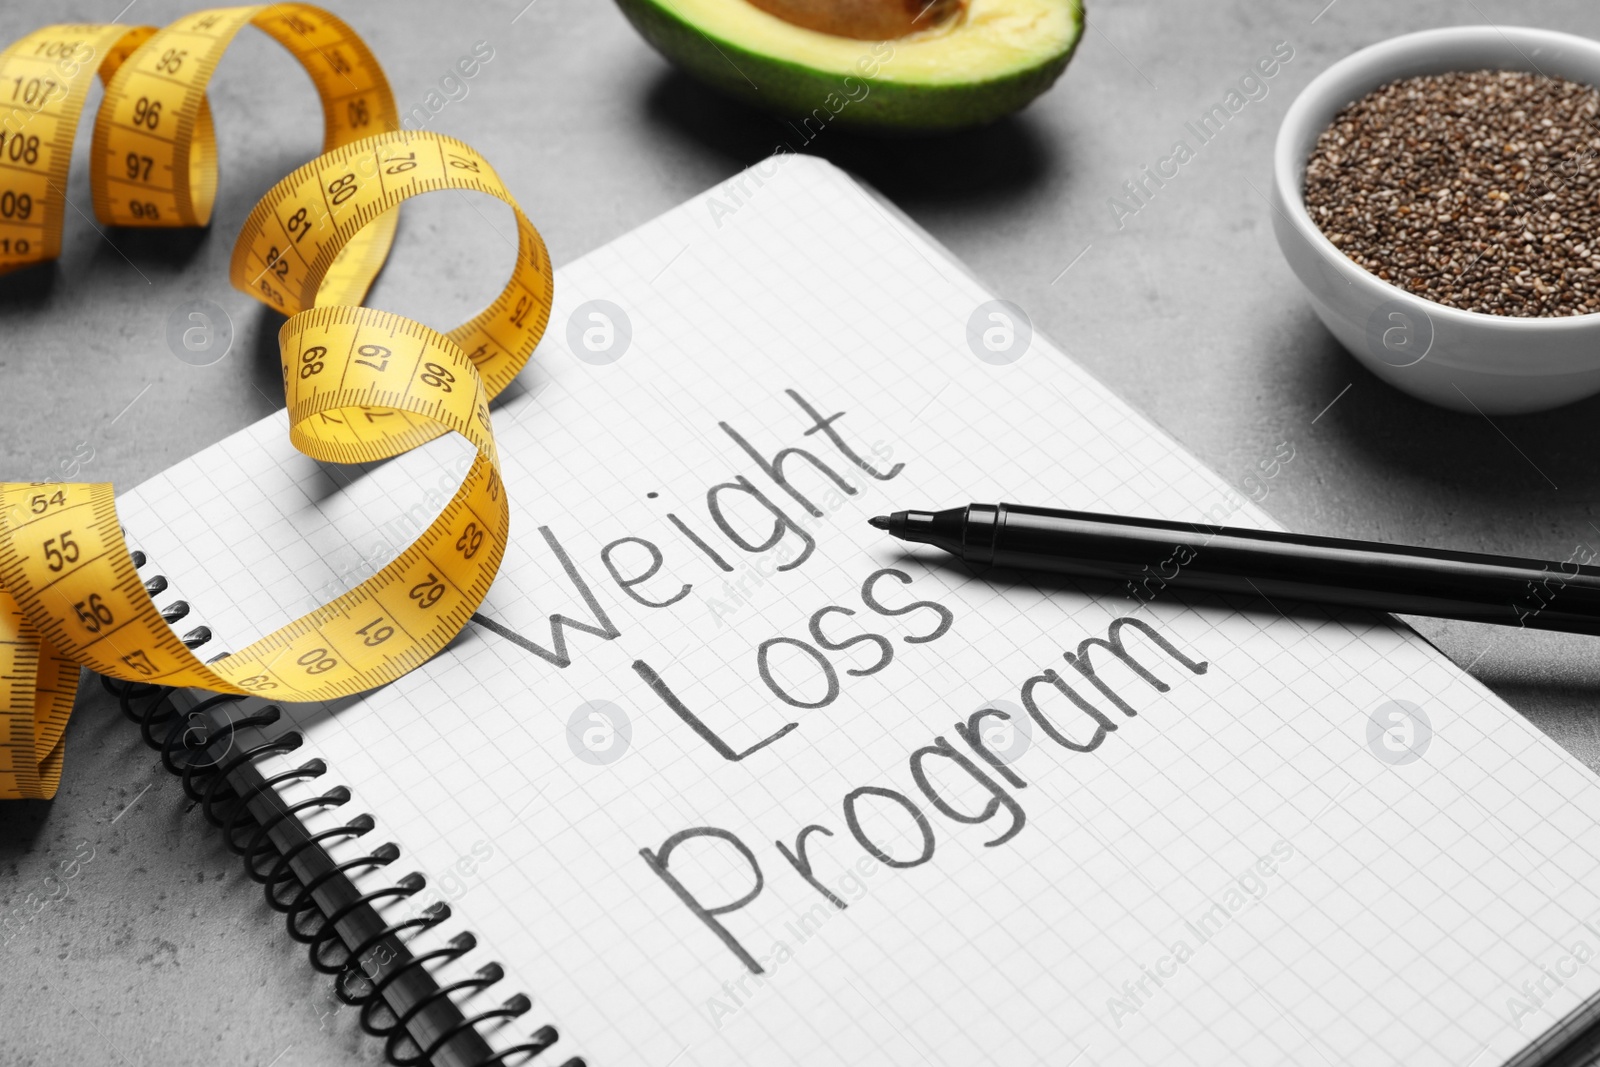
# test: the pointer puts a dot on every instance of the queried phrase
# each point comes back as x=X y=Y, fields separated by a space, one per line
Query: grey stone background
x=162 y=952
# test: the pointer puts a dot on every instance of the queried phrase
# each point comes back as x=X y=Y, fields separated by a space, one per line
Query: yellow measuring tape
x=361 y=384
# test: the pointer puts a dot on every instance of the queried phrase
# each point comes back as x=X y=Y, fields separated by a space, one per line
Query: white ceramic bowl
x=1458 y=359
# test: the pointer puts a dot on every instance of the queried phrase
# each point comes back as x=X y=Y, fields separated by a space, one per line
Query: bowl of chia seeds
x=1438 y=194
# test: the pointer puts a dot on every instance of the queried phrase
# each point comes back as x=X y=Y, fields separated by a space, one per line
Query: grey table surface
x=162 y=951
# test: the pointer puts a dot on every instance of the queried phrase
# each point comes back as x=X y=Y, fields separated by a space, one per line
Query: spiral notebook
x=720 y=775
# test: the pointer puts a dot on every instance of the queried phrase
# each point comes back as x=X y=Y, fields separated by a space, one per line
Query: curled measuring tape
x=361 y=385
x=153 y=161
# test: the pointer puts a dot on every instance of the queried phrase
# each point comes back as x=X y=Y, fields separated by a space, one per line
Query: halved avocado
x=985 y=59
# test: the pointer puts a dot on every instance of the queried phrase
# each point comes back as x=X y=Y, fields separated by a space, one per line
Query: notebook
x=711 y=774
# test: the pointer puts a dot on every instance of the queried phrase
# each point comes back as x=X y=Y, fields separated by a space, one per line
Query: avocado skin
x=794 y=90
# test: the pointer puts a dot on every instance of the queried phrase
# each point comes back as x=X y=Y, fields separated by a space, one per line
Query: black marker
x=1151 y=554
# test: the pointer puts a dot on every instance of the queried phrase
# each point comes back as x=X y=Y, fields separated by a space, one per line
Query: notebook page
x=1255 y=838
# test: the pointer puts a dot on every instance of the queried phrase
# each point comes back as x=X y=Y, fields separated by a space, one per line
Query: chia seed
x=1479 y=190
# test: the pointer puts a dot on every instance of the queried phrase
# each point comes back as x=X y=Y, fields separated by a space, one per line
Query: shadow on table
x=1504 y=465
x=30 y=287
x=1002 y=160
x=266 y=360
x=173 y=249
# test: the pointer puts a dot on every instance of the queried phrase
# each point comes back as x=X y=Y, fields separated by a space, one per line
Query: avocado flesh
x=991 y=61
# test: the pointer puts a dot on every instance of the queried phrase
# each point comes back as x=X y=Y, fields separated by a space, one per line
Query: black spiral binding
x=400 y=1001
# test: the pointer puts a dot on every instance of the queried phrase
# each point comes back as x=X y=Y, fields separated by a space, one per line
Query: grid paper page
x=1226 y=847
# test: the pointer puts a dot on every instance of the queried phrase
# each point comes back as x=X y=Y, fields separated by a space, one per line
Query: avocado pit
x=864 y=20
